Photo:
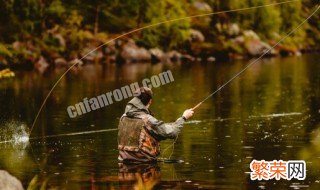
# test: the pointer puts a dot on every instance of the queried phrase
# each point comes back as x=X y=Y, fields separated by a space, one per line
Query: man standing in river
x=140 y=133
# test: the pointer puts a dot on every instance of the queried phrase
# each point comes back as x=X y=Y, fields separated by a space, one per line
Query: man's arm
x=160 y=130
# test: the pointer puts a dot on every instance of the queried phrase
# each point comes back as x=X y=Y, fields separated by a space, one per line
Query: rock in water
x=132 y=53
x=173 y=56
x=157 y=55
x=9 y=182
x=60 y=62
x=41 y=65
x=255 y=46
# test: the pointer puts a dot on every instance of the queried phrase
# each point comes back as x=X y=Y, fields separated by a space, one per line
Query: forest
x=42 y=33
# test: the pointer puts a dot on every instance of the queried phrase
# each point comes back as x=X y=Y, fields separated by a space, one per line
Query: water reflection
x=138 y=176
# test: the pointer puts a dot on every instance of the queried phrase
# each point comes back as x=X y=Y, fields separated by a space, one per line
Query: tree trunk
x=96 y=23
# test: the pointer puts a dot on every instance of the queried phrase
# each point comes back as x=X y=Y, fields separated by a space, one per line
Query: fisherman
x=140 y=132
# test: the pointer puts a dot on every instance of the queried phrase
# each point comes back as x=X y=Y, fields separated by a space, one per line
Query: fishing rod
x=254 y=61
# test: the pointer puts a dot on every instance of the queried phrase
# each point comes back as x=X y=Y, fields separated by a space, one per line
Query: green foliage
x=292 y=16
x=4 y=51
x=56 y=8
x=56 y=12
x=167 y=35
x=63 y=27
x=266 y=21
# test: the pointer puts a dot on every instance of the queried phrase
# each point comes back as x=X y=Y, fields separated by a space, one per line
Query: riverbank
x=61 y=33
x=235 y=43
x=243 y=45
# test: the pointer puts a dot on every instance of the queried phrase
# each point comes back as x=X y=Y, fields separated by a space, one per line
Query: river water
x=271 y=112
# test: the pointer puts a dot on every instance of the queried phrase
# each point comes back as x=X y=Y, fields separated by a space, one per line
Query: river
x=271 y=112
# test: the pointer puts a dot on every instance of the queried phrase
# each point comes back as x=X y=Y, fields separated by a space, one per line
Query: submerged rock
x=9 y=182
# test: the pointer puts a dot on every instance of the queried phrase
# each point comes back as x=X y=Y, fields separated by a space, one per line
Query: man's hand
x=187 y=113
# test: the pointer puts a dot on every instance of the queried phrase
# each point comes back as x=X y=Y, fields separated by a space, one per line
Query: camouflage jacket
x=153 y=131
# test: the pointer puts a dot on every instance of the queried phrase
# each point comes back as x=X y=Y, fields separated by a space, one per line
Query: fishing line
x=77 y=61
x=244 y=69
x=64 y=135
x=76 y=133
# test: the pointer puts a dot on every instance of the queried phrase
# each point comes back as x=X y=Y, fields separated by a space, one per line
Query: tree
x=167 y=35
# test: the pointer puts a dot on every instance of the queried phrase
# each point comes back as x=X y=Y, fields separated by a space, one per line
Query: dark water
x=271 y=112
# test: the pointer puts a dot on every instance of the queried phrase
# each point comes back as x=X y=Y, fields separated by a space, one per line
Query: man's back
x=140 y=133
x=135 y=144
